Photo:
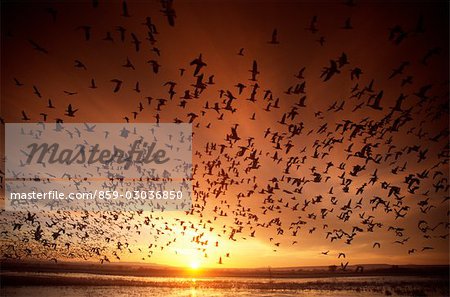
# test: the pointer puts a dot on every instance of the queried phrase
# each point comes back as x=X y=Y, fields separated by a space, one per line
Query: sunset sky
x=240 y=223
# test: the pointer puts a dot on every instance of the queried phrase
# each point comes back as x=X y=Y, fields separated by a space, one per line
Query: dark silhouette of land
x=153 y=270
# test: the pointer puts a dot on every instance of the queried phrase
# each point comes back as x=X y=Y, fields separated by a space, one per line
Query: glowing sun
x=195 y=265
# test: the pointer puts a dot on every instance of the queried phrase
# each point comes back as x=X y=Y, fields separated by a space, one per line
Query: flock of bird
x=365 y=165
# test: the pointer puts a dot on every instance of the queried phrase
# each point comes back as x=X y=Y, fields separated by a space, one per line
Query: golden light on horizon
x=194 y=265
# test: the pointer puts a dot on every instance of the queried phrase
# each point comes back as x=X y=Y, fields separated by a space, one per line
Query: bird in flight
x=199 y=64
x=274 y=39
x=70 y=112
x=254 y=71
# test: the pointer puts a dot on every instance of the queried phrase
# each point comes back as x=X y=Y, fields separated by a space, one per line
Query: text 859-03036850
x=158 y=195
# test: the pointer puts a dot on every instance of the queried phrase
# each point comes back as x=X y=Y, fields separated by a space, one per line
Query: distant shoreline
x=113 y=269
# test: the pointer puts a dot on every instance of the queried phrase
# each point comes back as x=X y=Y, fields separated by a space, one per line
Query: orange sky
x=218 y=31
